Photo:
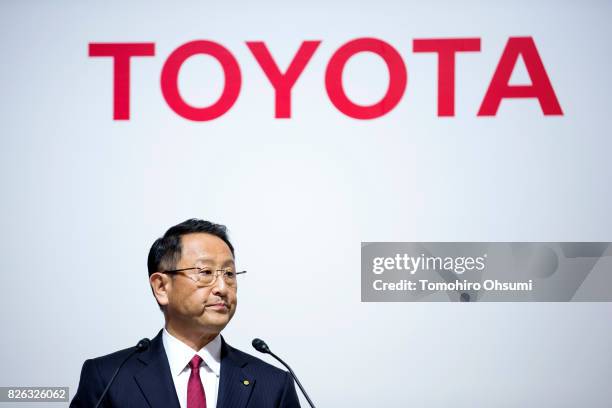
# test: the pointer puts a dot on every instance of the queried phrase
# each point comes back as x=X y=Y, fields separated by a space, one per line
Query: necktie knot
x=195 y=362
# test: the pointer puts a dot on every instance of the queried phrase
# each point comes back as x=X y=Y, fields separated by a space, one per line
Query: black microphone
x=262 y=347
x=141 y=346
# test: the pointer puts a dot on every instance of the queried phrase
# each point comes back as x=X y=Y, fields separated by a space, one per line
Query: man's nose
x=219 y=286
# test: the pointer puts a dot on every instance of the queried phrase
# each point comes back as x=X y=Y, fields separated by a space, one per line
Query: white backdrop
x=84 y=196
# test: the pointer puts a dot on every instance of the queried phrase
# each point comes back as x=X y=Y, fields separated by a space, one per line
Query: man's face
x=202 y=310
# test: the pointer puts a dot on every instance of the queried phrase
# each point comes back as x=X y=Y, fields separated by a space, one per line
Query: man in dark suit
x=188 y=364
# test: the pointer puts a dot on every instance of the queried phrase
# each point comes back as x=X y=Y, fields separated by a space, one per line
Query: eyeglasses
x=205 y=277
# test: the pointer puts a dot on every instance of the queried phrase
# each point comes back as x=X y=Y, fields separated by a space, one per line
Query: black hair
x=166 y=251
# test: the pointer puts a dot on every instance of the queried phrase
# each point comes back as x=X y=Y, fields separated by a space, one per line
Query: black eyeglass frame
x=217 y=273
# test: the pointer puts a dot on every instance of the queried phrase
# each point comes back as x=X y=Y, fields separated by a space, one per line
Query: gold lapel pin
x=246 y=382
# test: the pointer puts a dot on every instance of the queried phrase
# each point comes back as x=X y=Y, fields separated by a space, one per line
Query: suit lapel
x=155 y=380
x=235 y=384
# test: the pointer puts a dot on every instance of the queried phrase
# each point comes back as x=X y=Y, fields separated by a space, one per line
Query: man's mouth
x=218 y=306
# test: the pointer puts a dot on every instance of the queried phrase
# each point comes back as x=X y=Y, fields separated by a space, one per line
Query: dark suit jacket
x=145 y=381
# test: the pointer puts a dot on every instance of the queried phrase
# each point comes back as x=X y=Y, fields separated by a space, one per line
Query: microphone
x=141 y=346
x=262 y=347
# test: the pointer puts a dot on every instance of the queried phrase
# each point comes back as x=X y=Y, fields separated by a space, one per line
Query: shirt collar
x=179 y=354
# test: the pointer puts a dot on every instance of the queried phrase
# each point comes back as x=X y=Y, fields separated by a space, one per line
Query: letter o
x=169 y=80
x=397 y=78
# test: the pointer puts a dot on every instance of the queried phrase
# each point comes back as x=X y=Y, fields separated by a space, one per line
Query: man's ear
x=160 y=284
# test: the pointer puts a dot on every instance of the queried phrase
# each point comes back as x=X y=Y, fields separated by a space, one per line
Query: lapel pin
x=246 y=382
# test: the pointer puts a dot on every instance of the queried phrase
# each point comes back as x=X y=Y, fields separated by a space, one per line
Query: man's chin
x=217 y=323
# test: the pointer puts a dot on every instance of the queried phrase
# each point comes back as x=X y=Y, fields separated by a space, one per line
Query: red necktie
x=196 y=398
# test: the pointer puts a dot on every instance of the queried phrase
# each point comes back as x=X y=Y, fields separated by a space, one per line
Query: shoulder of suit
x=113 y=359
x=254 y=362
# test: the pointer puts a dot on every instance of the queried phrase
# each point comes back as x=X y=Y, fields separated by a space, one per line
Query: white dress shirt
x=179 y=355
